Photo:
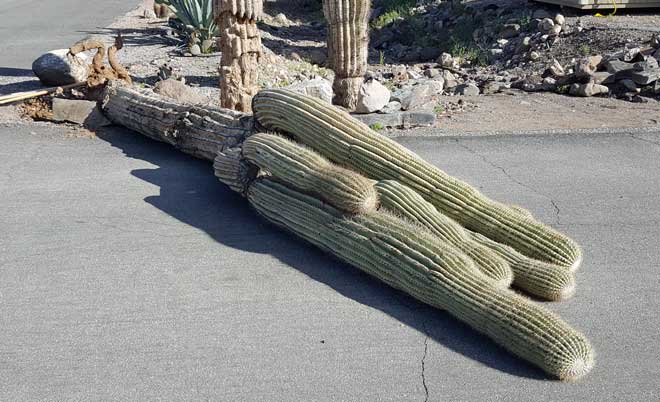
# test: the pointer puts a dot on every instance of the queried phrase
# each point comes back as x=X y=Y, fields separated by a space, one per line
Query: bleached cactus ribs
x=240 y=44
x=348 y=42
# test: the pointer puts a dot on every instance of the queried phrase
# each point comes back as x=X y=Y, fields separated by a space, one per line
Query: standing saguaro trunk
x=240 y=44
x=348 y=43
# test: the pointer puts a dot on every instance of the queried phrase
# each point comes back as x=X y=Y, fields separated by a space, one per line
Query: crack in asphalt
x=426 y=348
x=554 y=204
x=508 y=175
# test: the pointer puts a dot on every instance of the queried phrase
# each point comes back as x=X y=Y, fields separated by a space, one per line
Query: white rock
x=282 y=20
x=559 y=19
x=446 y=60
x=373 y=96
x=59 y=67
x=555 y=30
x=546 y=25
x=318 y=88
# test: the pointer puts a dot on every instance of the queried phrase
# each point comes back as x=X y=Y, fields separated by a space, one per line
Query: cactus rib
x=405 y=202
x=348 y=142
x=308 y=171
x=418 y=263
x=548 y=281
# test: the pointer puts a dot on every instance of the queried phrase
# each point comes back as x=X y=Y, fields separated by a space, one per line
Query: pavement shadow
x=191 y=193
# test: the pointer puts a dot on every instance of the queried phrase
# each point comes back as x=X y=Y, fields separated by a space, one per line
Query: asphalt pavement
x=129 y=273
x=29 y=28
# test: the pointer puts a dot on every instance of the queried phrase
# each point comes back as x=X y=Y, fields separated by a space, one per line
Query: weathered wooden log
x=198 y=131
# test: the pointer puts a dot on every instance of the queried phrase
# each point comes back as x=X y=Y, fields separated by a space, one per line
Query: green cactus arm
x=541 y=279
x=434 y=272
x=350 y=143
x=308 y=171
x=405 y=202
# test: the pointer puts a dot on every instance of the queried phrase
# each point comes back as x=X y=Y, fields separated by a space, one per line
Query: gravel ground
x=150 y=45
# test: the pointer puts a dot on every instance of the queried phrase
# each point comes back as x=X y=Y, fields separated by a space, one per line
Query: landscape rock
x=281 y=20
x=421 y=95
x=642 y=73
x=510 y=31
x=59 y=67
x=449 y=79
x=82 y=112
x=534 y=55
x=560 y=19
x=629 y=85
x=589 y=89
x=467 y=90
x=492 y=87
x=587 y=66
x=391 y=120
x=431 y=72
x=556 y=69
x=602 y=77
x=391 y=107
x=195 y=50
x=373 y=96
x=555 y=30
x=617 y=66
x=446 y=60
x=417 y=119
x=178 y=91
x=318 y=88
x=546 y=25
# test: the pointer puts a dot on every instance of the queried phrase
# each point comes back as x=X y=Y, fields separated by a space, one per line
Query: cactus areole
x=348 y=40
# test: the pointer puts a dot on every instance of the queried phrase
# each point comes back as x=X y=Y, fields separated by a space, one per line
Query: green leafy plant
x=377 y=127
x=196 y=16
x=584 y=49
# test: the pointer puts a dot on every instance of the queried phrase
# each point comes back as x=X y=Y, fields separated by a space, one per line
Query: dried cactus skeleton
x=379 y=207
x=99 y=73
x=240 y=44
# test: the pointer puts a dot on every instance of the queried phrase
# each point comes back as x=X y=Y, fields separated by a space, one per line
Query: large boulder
x=373 y=96
x=59 y=67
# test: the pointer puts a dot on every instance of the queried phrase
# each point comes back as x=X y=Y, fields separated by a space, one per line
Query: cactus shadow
x=190 y=193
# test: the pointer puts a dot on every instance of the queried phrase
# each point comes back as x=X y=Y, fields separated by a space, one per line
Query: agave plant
x=196 y=16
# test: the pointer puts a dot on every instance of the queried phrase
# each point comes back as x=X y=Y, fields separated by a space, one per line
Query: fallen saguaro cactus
x=198 y=131
x=348 y=142
x=380 y=208
x=429 y=269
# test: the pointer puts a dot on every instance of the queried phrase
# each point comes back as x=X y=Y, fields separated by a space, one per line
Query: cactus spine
x=414 y=261
x=348 y=142
x=542 y=279
x=240 y=44
x=548 y=281
x=348 y=40
x=310 y=172
x=405 y=202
